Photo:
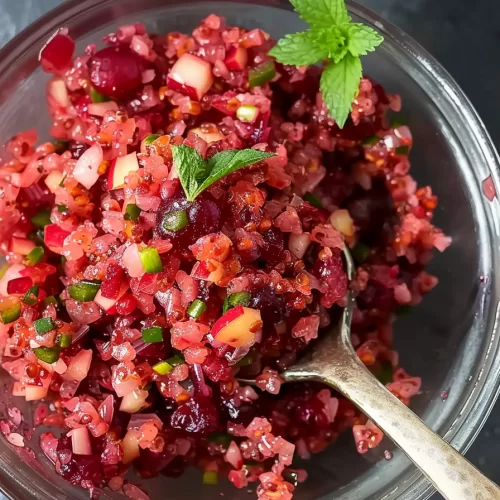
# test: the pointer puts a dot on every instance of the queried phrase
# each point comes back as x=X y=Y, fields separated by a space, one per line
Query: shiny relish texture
x=128 y=313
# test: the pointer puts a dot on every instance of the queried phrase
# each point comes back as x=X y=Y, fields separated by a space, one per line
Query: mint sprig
x=197 y=174
x=334 y=38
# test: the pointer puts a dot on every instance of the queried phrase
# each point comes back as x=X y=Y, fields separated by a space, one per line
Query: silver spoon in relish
x=333 y=362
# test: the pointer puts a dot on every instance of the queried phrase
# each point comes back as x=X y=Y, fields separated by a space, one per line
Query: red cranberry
x=57 y=54
x=274 y=244
x=149 y=464
x=77 y=149
x=116 y=71
x=377 y=296
x=270 y=304
x=331 y=272
x=198 y=415
x=312 y=413
x=204 y=217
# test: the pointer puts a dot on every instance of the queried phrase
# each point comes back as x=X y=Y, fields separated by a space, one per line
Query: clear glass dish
x=451 y=339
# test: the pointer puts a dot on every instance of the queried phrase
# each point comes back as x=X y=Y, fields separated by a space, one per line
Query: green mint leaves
x=334 y=38
x=197 y=174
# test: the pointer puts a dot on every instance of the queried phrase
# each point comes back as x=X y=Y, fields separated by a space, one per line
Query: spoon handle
x=454 y=476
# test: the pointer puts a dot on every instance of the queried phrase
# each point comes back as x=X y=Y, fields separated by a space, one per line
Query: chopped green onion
x=360 y=252
x=210 y=477
x=151 y=138
x=31 y=296
x=151 y=261
x=96 y=97
x=175 y=221
x=60 y=146
x=371 y=140
x=197 y=308
x=148 y=387
x=221 y=438
x=11 y=313
x=84 y=291
x=247 y=113
x=36 y=255
x=261 y=74
x=313 y=200
x=152 y=334
x=291 y=477
x=41 y=219
x=385 y=374
x=176 y=360
x=403 y=150
x=65 y=340
x=132 y=212
x=403 y=310
x=398 y=122
x=63 y=260
x=37 y=237
x=43 y=325
x=61 y=184
x=163 y=368
x=62 y=208
x=50 y=300
x=47 y=354
x=247 y=360
x=236 y=299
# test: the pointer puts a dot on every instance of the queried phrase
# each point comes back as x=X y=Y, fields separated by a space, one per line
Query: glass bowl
x=450 y=339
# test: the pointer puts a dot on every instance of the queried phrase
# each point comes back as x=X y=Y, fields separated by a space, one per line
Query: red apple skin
x=227 y=318
x=191 y=76
x=54 y=237
x=236 y=58
x=116 y=178
x=22 y=246
x=235 y=328
x=200 y=271
x=182 y=88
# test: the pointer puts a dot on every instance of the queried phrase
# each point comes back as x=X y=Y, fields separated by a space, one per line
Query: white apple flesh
x=237 y=327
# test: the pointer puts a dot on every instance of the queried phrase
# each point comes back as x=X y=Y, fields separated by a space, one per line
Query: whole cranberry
x=116 y=72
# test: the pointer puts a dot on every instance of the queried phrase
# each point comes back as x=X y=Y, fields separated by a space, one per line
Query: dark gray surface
x=464 y=36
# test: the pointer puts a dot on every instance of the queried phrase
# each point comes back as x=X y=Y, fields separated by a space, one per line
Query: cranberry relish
x=132 y=309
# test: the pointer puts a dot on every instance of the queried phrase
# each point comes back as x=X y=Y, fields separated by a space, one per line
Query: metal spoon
x=333 y=361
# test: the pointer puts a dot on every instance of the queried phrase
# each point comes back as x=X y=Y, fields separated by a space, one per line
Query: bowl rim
x=487 y=385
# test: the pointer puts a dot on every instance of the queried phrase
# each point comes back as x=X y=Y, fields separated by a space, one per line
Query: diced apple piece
x=212 y=136
x=120 y=168
x=21 y=246
x=191 y=76
x=108 y=304
x=209 y=270
x=53 y=180
x=101 y=108
x=13 y=272
x=236 y=58
x=58 y=92
x=79 y=365
x=35 y=392
x=237 y=327
x=86 y=170
x=80 y=441
x=133 y=401
x=130 y=446
x=54 y=237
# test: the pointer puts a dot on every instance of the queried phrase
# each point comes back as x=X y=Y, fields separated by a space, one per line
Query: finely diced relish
x=136 y=311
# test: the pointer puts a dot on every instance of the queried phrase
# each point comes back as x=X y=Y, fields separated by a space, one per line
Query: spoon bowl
x=332 y=361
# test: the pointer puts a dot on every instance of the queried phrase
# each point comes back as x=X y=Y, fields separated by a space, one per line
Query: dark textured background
x=463 y=35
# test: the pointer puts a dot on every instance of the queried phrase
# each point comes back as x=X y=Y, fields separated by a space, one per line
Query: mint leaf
x=362 y=39
x=322 y=13
x=300 y=49
x=339 y=84
x=191 y=168
x=197 y=174
x=227 y=162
